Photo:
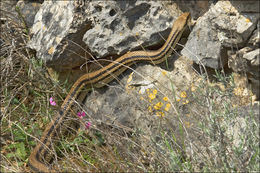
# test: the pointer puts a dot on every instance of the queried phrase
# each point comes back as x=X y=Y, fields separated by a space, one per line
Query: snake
x=98 y=79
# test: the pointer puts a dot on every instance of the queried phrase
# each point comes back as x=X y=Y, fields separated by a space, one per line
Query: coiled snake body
x=98 y=79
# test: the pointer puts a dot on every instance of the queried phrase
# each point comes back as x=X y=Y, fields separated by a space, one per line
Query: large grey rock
x=54 y=30
x=120 y=26
x=109 y=28
x=254 y=40
x=219 y=29
x=247 y=61
x=254 y=58
x=131 y=103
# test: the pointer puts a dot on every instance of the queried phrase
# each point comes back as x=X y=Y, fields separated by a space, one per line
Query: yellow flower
x=188 y=115
x=185 y=102
x=150 y=109
x=187 y=124
x=154 y=91
x=238 y=91
x=165 y=99
x=248 y=20
x=183 y=94
x=158 y=105
x=164 y=73
x=160 y=114
x=151 y=96
x=193 y=88
x=167 y=107
x=51 y=50
x=178 y=100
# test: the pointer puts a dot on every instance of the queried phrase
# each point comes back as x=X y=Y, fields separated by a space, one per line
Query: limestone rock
x=253 y=57
x=254 y=40
x=66 y=34
x=216 y=31
x=131 y=103
x=120 y=26
x=54 y=37
x=247 y=61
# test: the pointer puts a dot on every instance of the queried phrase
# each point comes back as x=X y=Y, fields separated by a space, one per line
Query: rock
x=215 y=32
x=249 y=6
x=247 y=61
x=132 y=93
x=54 y=37
x=236 y=62
x=253 y=58
x=67 y=34
x=140 y=100
x=121 y=26
x=254 y=40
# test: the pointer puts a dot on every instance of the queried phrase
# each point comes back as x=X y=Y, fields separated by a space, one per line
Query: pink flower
x=81 y=114
x=87 y=125
x=52 y=102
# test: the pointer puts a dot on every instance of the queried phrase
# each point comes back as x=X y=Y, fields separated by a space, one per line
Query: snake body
x=98 y=79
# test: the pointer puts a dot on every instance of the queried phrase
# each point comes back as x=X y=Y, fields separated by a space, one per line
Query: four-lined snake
x=98 y=79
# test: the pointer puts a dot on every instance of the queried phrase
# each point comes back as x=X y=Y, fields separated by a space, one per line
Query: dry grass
x=215 y=133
